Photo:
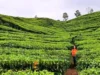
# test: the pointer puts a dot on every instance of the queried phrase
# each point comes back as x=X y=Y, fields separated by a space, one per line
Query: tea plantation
x=24 y=41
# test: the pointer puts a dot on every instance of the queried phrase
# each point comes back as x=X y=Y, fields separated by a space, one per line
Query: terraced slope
x=25 y=40
x=85 y=31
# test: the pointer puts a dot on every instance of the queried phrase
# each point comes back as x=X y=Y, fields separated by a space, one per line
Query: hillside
x=26 y=40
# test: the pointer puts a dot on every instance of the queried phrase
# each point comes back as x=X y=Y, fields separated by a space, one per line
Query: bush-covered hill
x=25 y=40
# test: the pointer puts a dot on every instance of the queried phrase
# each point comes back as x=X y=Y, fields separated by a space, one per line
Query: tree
x=65 y=16
x=89 y=10
x=77 y=13
x=36 y=16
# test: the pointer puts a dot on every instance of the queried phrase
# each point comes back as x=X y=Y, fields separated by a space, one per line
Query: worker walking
x=72 y=68
x=73 y=54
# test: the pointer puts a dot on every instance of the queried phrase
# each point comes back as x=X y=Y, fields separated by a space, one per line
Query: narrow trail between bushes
x=71 y=70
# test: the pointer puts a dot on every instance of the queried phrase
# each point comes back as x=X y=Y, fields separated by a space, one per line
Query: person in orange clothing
x=35 y=65
x=73 y=54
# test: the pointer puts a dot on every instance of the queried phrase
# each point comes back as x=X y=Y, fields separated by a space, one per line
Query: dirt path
x=71 y=72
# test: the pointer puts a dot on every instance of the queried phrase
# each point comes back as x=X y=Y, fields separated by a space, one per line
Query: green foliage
x=28 y=72
x=25 y=40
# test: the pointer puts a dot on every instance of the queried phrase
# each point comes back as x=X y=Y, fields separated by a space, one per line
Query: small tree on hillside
x=77 y=13
x=65 y=16
x=36 y=16
x=89 y=10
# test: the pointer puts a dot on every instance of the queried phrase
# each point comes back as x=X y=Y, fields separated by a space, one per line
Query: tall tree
x=77 y=13
x=65 y=16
